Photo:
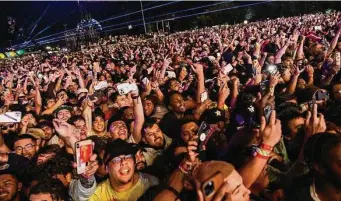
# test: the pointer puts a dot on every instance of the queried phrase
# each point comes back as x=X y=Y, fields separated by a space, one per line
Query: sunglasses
x=4 y=127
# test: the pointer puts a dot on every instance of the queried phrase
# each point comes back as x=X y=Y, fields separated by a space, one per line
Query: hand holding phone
x=204 y=133
x=84 y=151
x=203 y=96
x=267 y=113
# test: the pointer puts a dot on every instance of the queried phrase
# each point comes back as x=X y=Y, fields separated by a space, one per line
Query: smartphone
x=84 y=150
x=317 y=28
x=267 y=113
x=311 y=105
x=101 y=85
x=202 y=134
x=203 y=96
x=90 y=74
x=211 y=186
x=145 y=81
x=171 y=74
x=321 y=95
x=10 y=117
x=226 y=69
x=125 y=88
x=264 y=86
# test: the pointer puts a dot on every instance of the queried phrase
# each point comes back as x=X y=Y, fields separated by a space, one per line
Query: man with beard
x=50 y=133
x=140 y=160
x=26 y=145
x=10 y=188
x=124 y=183
x=322 y=153
x=159 y=149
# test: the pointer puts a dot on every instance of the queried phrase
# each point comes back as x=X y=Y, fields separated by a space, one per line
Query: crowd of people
x=235 y=113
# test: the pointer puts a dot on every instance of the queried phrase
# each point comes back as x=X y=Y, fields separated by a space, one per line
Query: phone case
x=212 y=185
x=10 y=117
x=84 y=151
x=267 y=113
x=203 y=96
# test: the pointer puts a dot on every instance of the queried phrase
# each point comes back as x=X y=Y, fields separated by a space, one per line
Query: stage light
x=141 y=24
x=130 y=27
x=48 y=47
x=245 y=21
x=115 y=25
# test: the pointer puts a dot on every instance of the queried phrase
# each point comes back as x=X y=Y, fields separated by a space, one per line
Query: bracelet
x=262 y=157
x=261 y=153
x=266 y=147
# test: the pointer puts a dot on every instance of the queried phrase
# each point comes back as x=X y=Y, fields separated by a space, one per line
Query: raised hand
x=274 y=79
x=192 y=147
x=67 y=131
x=271 y=133
x=314 y=123
x=224 y=92
x=197 y=68
x=166 y=61
x=310 y=70
x=297 y=71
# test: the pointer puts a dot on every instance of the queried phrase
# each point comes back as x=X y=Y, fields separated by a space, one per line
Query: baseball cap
x=119 y=147
x=159 y=112
x=36 y=133
x=63 y=107
x=214 y=115
x=81 y=90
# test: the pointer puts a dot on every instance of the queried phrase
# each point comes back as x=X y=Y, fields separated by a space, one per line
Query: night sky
x=65 y=12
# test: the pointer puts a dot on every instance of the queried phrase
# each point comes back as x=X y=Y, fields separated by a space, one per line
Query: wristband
x=266 y=147
x=261 y=153
x=262 y=157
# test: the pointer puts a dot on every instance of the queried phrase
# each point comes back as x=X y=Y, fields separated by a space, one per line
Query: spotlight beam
x=179 y=17
x=195 y=8
x=112 y=18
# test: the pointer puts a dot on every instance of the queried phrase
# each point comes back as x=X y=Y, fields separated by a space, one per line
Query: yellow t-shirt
x=104 y=192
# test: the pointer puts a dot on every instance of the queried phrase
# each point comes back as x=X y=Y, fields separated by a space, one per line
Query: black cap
x=119 y=147
x=214 y=115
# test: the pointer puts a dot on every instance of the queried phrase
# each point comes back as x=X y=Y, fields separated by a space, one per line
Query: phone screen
x=264 y=86
x=84 y=150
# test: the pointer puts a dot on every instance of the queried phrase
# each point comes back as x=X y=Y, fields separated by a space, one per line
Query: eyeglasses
x=19 y=150
x=118 y=160
x=7 y=126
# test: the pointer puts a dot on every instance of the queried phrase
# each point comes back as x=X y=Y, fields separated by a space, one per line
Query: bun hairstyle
x=318 y=147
